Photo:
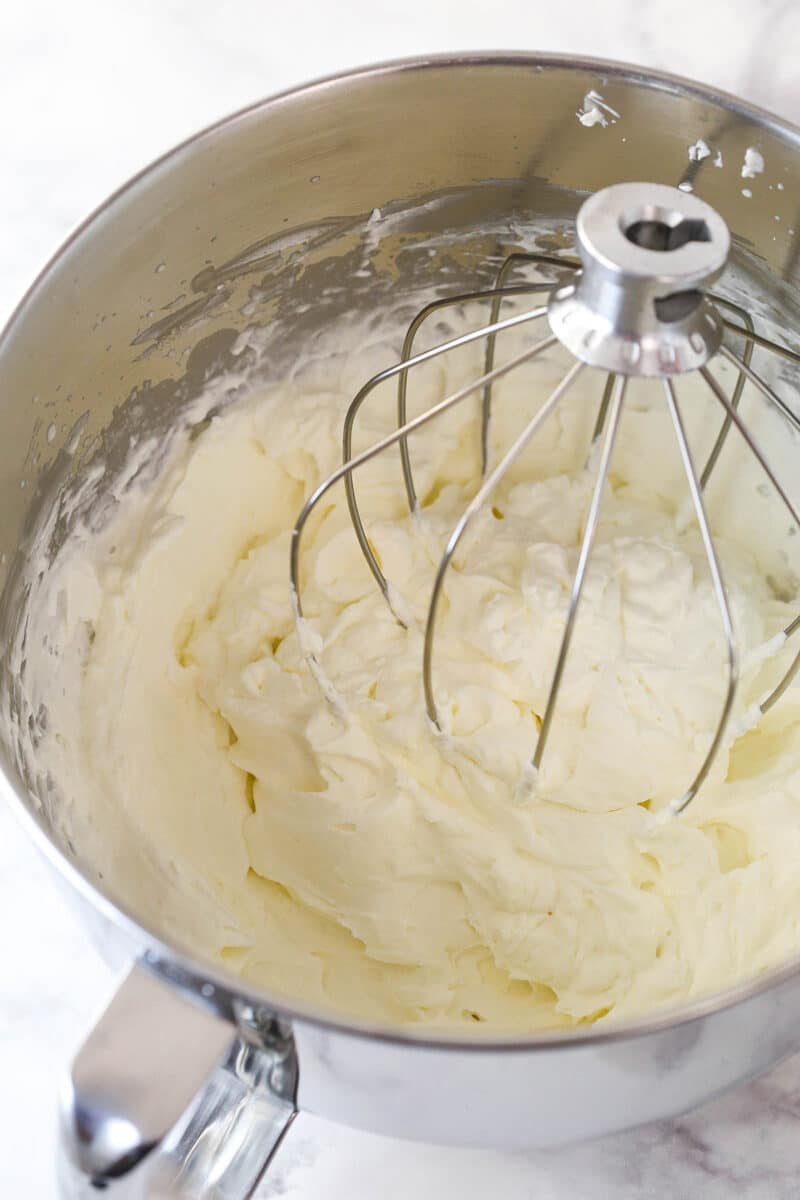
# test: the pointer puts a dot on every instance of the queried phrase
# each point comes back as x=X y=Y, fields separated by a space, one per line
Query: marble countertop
x=90 y=91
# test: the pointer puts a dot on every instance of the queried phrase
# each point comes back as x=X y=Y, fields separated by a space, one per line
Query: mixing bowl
x=188 y=1081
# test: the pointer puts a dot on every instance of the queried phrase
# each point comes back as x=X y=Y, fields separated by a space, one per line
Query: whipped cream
x=348 y=854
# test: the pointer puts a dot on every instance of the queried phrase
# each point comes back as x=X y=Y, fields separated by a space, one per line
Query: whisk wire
x=601 y=414
x=349 y=463
x=763 y=463
x=618 y=386
x=406 y=355
x=745 y=432
x=477 y=502
x=695 y=488
x=721 y=438
x=763 y=387
x=510 y=262
x=750 y=334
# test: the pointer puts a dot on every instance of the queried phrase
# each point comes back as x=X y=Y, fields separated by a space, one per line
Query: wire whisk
x=633 y=305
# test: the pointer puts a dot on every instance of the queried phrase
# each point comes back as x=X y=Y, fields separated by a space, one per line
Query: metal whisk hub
x=638 y=306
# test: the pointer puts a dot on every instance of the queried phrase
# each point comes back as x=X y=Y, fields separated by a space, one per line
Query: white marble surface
x=91 y=90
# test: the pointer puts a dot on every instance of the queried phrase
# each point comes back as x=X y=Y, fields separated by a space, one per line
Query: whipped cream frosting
x=349 y=854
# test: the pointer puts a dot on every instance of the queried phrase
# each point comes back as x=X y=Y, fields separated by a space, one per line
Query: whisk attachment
x=635 y=303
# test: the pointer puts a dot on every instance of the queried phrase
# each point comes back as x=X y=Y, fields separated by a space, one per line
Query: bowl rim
x=213 y=986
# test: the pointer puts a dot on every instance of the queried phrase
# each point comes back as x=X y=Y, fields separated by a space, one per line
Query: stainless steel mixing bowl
x=188 y=1081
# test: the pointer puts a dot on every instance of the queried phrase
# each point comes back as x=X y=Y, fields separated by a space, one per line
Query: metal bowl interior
x=258 y=222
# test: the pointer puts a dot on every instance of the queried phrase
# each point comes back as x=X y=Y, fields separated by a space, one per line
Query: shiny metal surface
x=638 y=306
x=166 y=1099
x=246 y=225
x=587 y=541
x=733 y=416
x=475 y=505
x=696 y=493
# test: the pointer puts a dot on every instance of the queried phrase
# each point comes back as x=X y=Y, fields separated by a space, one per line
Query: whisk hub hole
x=662 y=230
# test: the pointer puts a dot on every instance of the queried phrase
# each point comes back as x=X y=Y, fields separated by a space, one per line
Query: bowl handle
x=166 y=1099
